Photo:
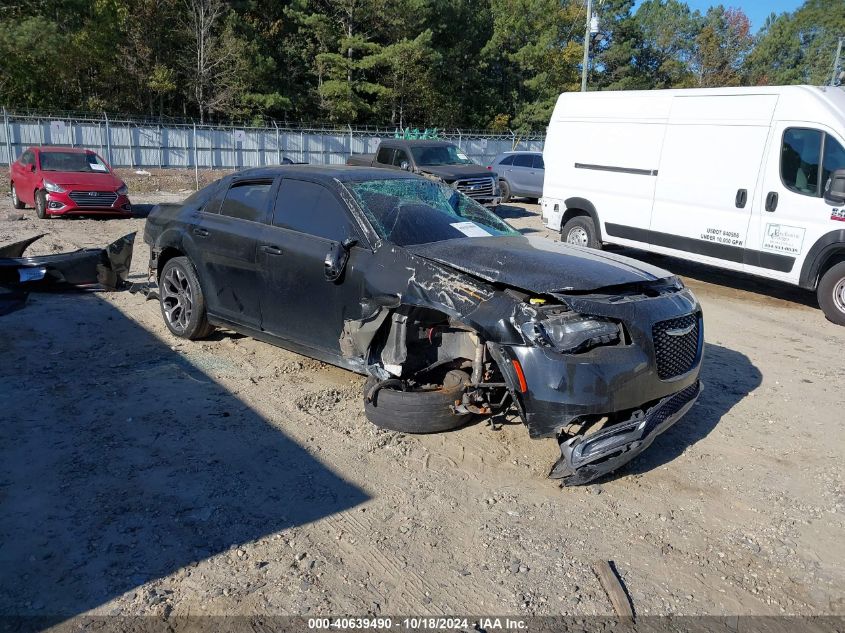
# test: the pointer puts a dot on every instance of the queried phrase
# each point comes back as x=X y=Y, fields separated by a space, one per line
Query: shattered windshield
x=409 y=211
x=440 y=155
x=72 y=161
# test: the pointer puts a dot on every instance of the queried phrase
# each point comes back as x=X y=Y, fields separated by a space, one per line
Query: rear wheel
x=16 y=202
x=182 y=301
x=41 y=204
x=831 y=293
x=504 y=191
x=415 y=411
x=580 y=231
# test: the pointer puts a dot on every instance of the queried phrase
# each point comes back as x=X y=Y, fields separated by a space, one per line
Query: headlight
x=571 y=333
x=123 y=190
x=53 y=187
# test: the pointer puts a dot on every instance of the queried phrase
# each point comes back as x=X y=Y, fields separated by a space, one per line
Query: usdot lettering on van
x=748 y=179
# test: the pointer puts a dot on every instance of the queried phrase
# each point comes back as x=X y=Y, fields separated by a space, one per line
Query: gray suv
x=520 y=174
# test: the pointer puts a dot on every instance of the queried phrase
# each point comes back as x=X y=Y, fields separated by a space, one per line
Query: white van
x=742 y=178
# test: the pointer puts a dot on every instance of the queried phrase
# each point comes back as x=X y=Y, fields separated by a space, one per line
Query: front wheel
x=182 y=301
x=580 y=231
x=16 y=202
x=41 y=204
x=831 y=293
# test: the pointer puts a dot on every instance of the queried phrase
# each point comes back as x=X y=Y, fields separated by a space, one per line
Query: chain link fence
x=144 y=143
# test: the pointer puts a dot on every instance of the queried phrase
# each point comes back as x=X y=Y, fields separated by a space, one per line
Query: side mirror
x=834 y=191
x=336 y=259
x=32 y=167
x=405 y=165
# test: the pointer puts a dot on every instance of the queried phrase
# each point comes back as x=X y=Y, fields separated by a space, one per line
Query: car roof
x=343 y=173
x=58 y=148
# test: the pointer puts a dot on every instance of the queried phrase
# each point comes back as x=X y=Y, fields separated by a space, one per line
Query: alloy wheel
x=177 y=299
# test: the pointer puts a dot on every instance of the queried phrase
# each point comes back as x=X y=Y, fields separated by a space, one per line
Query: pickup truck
x=440 y=160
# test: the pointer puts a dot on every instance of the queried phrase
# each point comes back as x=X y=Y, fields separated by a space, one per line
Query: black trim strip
x=772 y=261
x=618 y=170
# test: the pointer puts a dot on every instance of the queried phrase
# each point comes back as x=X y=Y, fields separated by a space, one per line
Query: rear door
x=297 y=302
x=708 y=175
x=521 y=175
x=226 y=243
x=537 y=173
x=791 y=214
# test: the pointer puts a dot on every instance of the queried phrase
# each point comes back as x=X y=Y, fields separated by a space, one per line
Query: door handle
x=771 y=201
x=271 y=250
x=200 y=232
x=741 y=198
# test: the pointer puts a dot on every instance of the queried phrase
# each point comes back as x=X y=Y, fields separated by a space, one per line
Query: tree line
x=496 y=64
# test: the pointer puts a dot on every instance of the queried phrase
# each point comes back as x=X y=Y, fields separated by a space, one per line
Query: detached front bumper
x=585 y=458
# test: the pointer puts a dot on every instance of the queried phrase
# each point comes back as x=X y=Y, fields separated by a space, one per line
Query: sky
x=756 y=10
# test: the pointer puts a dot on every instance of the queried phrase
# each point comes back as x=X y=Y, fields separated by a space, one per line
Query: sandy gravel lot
x=140 y=474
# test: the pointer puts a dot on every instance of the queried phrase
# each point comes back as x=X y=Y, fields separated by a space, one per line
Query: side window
x=385 y=156
x=246 y=200
x=538 y=162
x=523 y=160
x=508 y=160
x=799 y=160
x=400 y=157
x=310 y=208
x=27 y=158
x=833 y=159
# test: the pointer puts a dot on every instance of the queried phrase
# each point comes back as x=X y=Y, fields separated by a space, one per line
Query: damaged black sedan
x=448 y=310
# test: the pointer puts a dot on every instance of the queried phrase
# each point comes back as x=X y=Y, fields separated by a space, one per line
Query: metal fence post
x=302 y=146
x=131 y=150
x=160 y=161
x=196 y=158
x=108 y=139
x=278 y=144
x=8 y=136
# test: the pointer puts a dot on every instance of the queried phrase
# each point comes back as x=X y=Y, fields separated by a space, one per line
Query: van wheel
x=416 y=411
x=504 y=191
x=580 y=231
x=831 y=294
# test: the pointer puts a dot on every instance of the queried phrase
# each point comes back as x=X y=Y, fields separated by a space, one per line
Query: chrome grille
x=676 y=345
x=476 y=187
x=93 y=198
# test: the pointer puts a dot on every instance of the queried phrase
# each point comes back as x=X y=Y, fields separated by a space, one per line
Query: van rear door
x=708 y=176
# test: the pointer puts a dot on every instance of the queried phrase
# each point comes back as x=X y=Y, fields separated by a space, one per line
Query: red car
x=67 y=181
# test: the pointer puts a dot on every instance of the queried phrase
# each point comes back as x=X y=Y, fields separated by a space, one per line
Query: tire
x=16 y=202
x=504 y=191
x=580 y=231
x=416 y=411
x=831 y=293
x=41 y=204
x=181 y=300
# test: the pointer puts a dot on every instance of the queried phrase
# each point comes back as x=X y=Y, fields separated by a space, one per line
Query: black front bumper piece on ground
x=585 y=458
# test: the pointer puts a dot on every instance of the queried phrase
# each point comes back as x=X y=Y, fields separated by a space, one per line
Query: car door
x=226 y=240
x=523 y=165
x=298 y=304
x=792 y=214
x=537 y=173
x=24 y=177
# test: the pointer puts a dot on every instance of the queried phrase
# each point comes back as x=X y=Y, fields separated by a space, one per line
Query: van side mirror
x=336 y=259
x=834 y=190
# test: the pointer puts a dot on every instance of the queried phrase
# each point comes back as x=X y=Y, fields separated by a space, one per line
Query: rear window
x=247 y=200
x=507 y=160
x=538 y=162
x=523 y=160
x=385 y=155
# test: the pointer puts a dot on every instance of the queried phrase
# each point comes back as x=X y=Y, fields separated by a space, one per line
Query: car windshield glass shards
x=408 y=211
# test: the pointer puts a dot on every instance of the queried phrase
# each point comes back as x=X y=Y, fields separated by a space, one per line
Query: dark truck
x=439 y=160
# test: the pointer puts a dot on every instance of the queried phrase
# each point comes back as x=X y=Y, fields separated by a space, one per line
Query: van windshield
x=408 y=211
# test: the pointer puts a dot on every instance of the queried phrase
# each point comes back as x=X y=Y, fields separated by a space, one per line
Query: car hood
x=105 y=181
x=538 y=265
x=453 y=172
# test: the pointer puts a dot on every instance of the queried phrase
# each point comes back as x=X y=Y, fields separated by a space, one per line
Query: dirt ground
x=141 y=474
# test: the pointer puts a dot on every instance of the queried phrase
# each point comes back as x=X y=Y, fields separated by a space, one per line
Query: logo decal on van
x=838 y=214
x=783 y=239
